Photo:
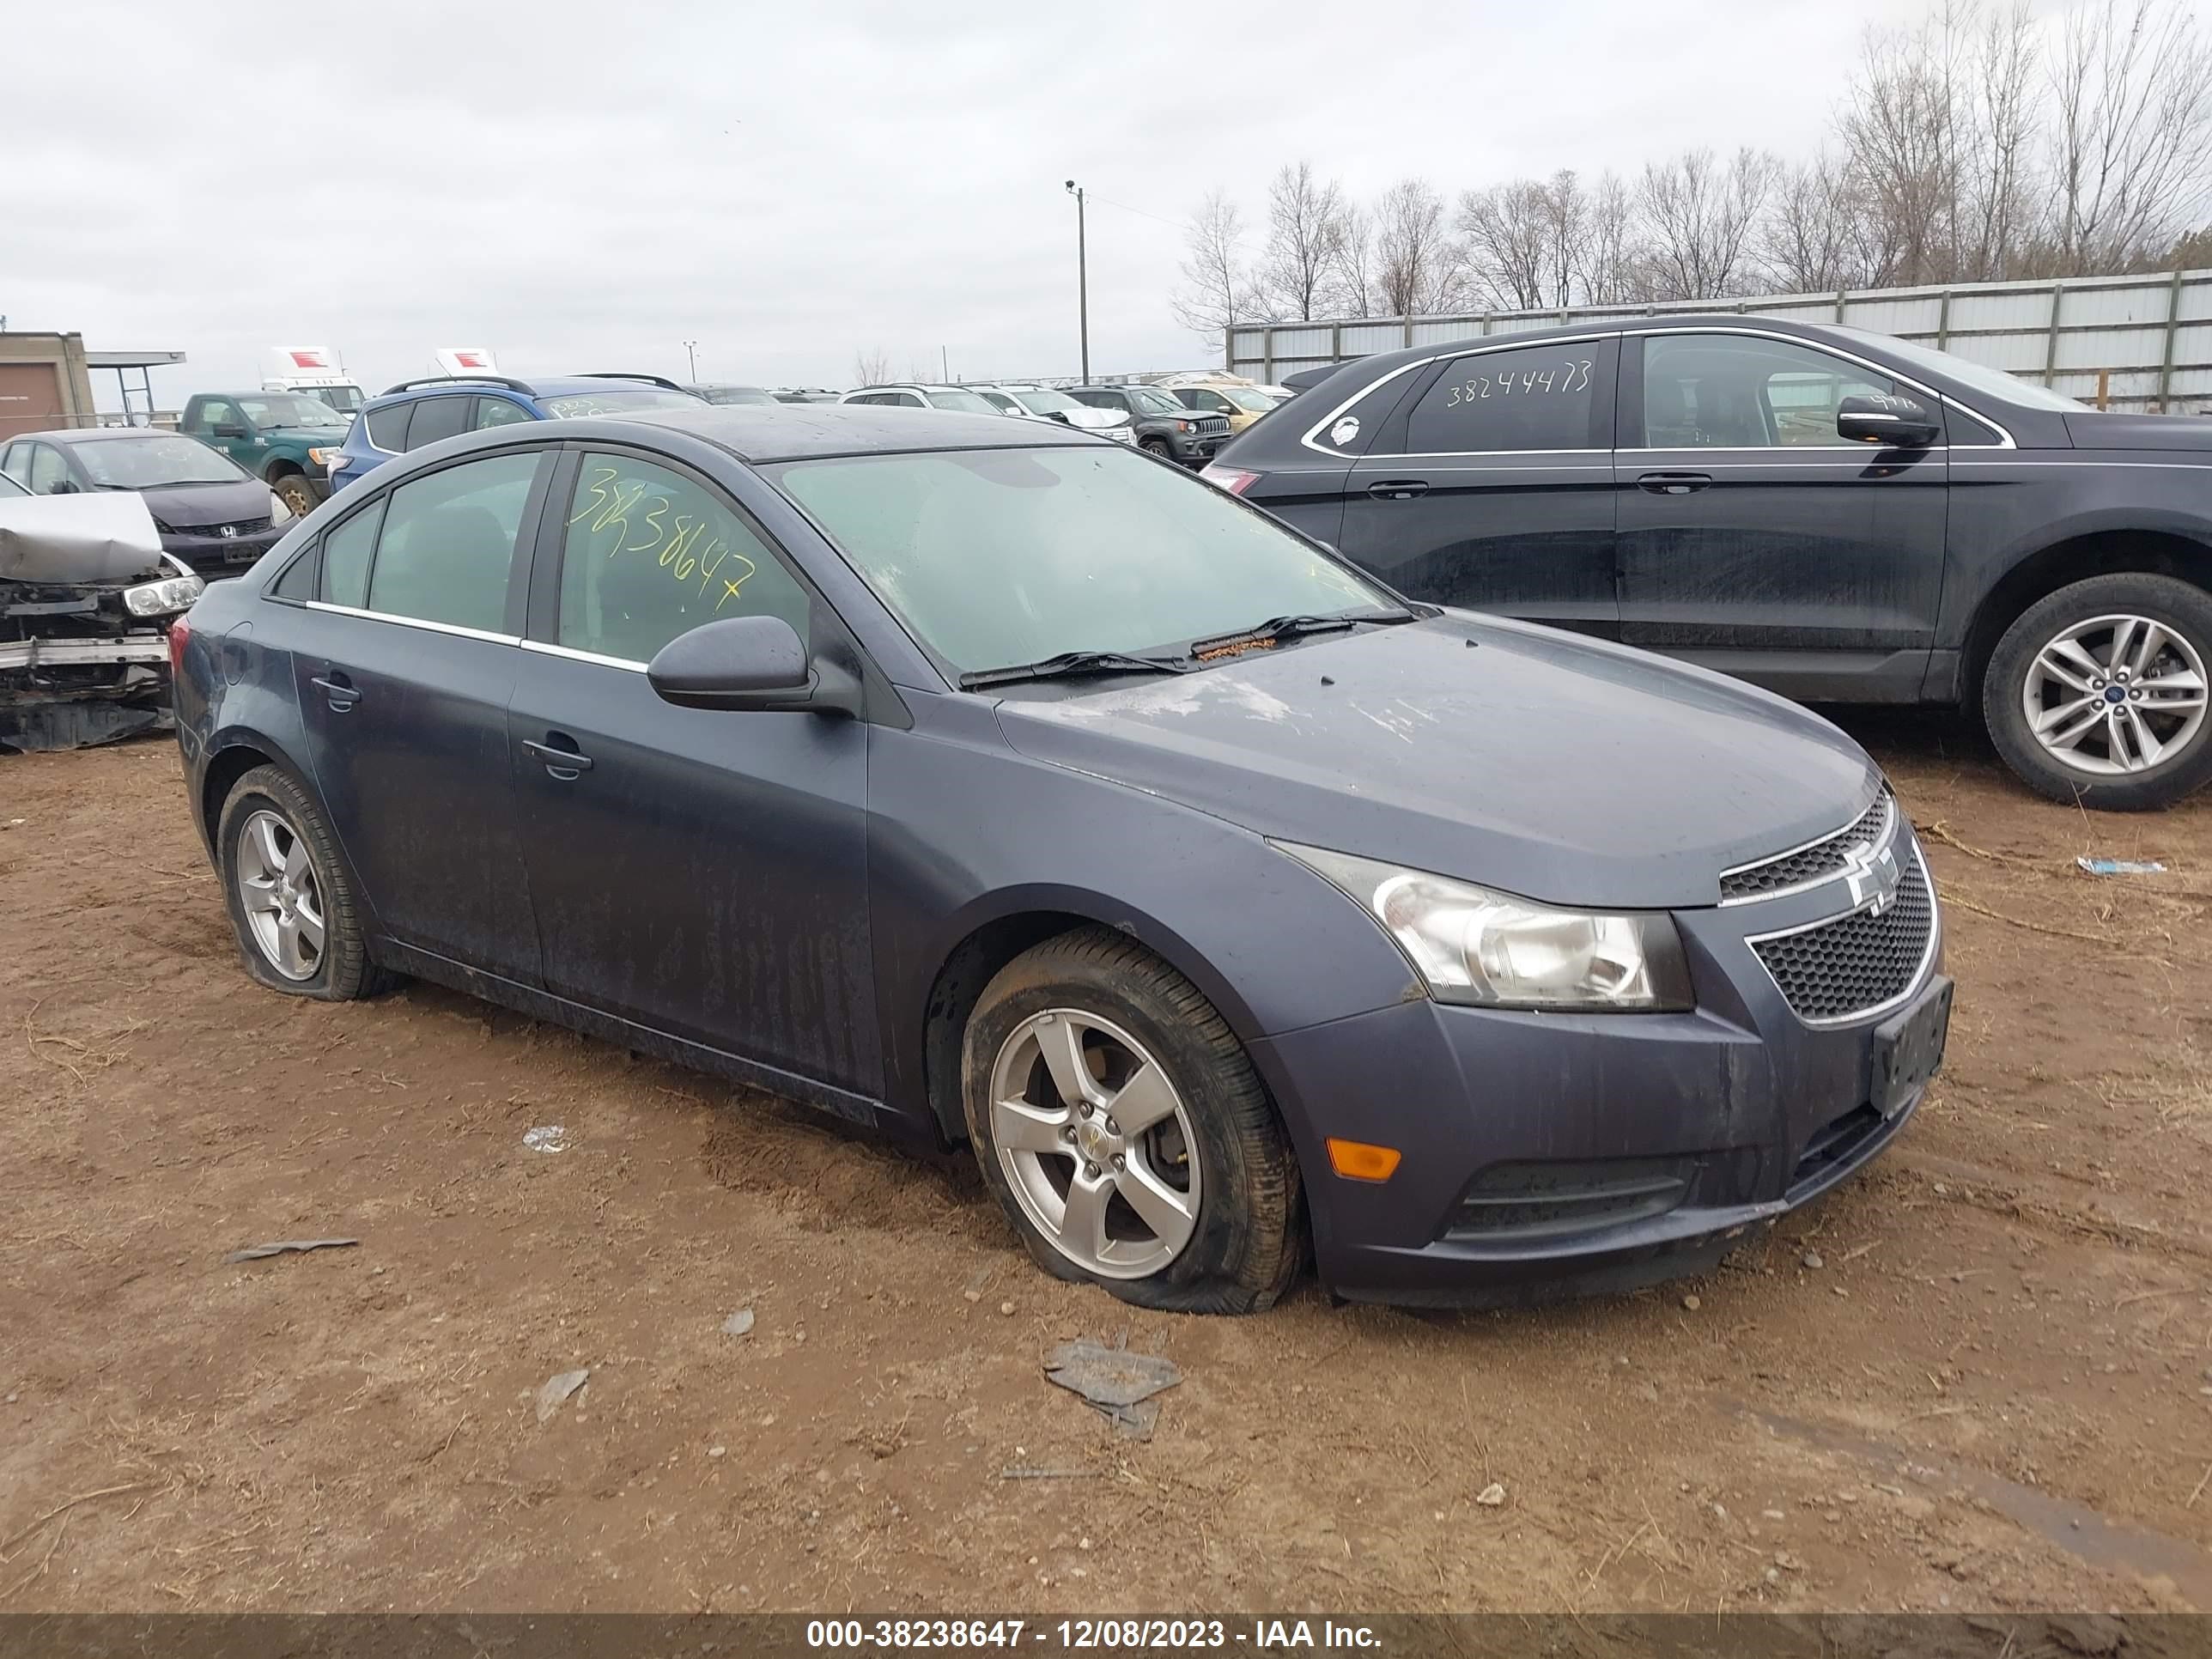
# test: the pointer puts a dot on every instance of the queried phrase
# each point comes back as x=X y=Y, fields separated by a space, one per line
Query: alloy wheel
x=280 y=896
x=1096 y=1143
x=2115 y=694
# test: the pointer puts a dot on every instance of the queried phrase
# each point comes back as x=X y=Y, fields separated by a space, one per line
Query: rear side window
x=1535 y=397
x=345 y=558
x=388 y=427
x=650 y=554
x=436 y=418
x=447 y=543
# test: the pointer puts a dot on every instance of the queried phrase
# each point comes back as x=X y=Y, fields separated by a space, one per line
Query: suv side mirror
x=1894 y=422
x=230 y=429
x=756 y=663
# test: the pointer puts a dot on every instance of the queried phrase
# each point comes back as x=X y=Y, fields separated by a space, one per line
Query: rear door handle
x=1673 y=483
x=1398 y=490
x=565 y=764
x=341 y=692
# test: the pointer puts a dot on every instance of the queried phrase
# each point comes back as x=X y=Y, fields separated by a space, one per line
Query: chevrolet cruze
x=992 y=783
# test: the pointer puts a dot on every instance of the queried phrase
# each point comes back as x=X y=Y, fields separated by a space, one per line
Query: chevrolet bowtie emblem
x=1872 y=877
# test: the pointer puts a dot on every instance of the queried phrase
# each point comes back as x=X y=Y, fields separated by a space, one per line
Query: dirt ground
x=1979 y=1377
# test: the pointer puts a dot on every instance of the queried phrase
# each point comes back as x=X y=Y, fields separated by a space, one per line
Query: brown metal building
x=45 y=382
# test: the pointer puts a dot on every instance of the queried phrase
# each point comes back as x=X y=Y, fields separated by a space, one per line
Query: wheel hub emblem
x=2116 y=694
x=1094 y=1142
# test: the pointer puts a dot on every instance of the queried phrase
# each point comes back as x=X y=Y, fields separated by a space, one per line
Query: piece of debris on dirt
x=1115 y=1383
x=288 y=1246
x=1491 y=1496
x=1018 y=1474
x=2119 y=867
x=547 y=1138
x=1692 y=1303
x=738 y=1322
x=556 y=1388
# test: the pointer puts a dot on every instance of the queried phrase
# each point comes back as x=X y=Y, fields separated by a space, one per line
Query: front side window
x=650 y=554
x=48 y=470
x=993 y=557
x=498 y=411
x=154 y=460
x=219 y=411
x=1531 y=398
x=447 y=543
x=1742 y=392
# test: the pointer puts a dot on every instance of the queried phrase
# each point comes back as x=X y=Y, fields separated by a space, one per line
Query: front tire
x=1157 y=447
x=297 y=493
x=291 y=905
x=1125 y=1133
x=2097 y=693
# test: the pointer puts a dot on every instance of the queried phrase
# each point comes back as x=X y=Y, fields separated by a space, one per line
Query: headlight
x=161 y=597
x=325 y=458
x=279 y=511
x=1185 y=426
x=1472 y=945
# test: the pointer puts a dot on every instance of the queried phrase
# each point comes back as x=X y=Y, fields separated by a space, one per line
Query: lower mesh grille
x=1541 y=1199
x=1841 y=969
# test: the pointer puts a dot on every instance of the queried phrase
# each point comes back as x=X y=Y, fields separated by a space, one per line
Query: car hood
x=315 y=437
x=186 y=507
x=1533 y=761
x=2093 y=429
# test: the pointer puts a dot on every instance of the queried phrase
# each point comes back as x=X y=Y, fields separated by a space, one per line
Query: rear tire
x=2097 y=693
x=291 y=905
x=1195 y=1204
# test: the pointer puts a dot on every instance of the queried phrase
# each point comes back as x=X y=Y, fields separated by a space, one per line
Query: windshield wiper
x=1291 y=628
x=1070 y=665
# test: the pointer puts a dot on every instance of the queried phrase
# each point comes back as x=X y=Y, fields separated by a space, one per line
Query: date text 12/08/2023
x=672 y=538
x=1084 y=1635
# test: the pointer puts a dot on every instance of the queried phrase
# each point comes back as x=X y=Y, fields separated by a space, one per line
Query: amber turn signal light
x=1355 y=1160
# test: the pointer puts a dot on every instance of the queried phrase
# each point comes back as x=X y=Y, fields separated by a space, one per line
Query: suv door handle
x=1398 y=490
x=341 y=692
x=566 y=764
x=1673 y=483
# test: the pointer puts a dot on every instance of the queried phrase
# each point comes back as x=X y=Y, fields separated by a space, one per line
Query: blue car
x=418 y=412
x=989 y=782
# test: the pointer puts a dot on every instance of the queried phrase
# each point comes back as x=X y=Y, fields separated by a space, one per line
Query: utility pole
x=691 y=356
x=1082 y=281
x=944 y=364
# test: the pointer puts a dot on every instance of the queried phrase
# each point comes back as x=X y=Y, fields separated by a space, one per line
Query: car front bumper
x=1552 y=1154
x=214 y=556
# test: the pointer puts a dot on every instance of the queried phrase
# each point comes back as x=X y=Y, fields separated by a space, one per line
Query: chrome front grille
x=1855 y=965
x=1815 y=862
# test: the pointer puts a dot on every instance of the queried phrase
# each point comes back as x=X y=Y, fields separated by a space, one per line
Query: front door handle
x=1398 y=490
x=1673 y=483
x=341 y=692
x=566 y=764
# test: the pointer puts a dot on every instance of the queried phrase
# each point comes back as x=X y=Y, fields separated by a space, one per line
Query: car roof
x=791 y=432
x=531 y=385
x=93 y=434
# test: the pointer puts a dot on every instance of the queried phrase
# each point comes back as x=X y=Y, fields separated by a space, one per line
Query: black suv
x=1836 y=515
x=1164 y=427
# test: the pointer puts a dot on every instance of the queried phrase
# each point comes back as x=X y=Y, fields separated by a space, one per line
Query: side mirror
x=1060 y=415
x=1894 y=423
x=757 y=663
x=62 y=487
x=229 y=430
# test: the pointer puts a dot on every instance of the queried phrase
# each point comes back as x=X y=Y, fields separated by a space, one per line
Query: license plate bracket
x=1908 y=1047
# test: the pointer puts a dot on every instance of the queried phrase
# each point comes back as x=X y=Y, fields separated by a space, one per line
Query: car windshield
x=735 y=394
x=1248 y=398
x=9 y=486
x=961 y=401
x=152 y=459
x=1155 y=402
x=346 y=399
x=998 y=556
x=1045 y=401
x=1995 y=381
x=289 y=409
x=616 y=401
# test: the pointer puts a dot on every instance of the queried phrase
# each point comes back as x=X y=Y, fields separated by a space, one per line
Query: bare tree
x=1700 y=213
x=2133 y=86
x=1508 y=235
x=871 y=368
x=1351 y=271
x=1418 y=267
x=1610 y=266
x=1217 y=289
x=1306 y=219
x=1816 y=233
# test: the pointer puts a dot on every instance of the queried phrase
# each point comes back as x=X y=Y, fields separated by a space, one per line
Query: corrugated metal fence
x=2127 y=342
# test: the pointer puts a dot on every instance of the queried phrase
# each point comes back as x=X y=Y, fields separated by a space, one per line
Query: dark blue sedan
x=990 y=783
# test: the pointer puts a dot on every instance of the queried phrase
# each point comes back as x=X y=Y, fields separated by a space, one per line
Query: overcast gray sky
x=588 y=185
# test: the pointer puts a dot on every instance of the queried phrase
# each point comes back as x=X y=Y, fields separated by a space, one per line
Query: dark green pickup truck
x=287 y=439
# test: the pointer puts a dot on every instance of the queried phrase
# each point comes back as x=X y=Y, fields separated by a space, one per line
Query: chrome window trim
x=546 y=647
x=454 y=628
x=1882 y=838
x=1912 y=987
x=1504 y=342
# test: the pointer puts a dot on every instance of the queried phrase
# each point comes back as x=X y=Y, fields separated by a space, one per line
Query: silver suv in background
x=908 y=394
x=1043 y=402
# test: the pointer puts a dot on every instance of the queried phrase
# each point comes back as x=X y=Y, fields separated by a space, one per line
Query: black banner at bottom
x=791 y=1636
